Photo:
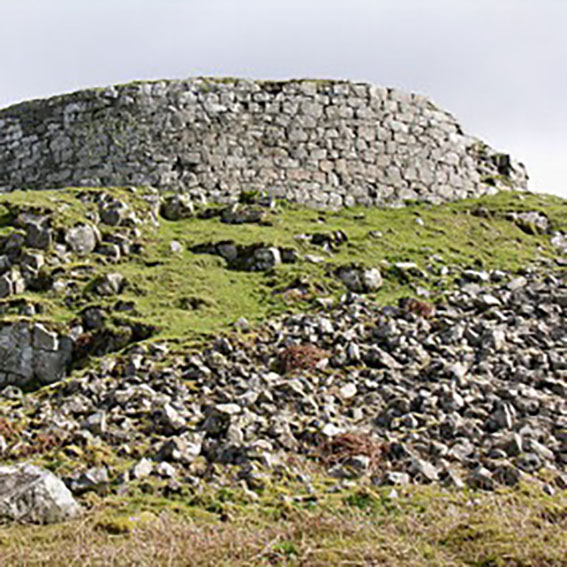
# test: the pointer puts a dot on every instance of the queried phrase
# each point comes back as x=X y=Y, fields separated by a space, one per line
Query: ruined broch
x=323 y=143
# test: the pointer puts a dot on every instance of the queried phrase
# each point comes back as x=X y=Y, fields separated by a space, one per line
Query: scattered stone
x=82 y=239
x=348 y=391
x=471 y=393
x=424 y=470
x=395 y=478
x=110 y=284
x=238 y=214
x=141 y=469
x=531 y=222
x=96 y=479
x=359 y=279
x=38 y=233
x=113 y=212
x=264 y=259
x=177 y=207
x=481 y=478
x=175 y=246
x=12 y=283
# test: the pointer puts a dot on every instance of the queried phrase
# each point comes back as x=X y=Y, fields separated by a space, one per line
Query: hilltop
x=276 y=323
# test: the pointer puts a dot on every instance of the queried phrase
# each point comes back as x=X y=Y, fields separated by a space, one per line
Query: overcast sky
x=499 y=65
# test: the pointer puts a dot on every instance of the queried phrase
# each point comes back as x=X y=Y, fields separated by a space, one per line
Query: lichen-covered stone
x=32 y=354
x=31 y=494
x=323 y=143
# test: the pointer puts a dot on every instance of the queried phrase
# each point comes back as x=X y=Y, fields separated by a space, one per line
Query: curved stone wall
x=326 y=143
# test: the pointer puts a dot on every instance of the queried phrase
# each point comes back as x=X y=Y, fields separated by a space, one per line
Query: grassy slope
x=459 y=237
x=189 y=294
x=424 y=527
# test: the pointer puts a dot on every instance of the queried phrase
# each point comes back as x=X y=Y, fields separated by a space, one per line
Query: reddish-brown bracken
x=301 y=357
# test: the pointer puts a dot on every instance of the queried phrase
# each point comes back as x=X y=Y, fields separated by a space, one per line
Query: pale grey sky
x=499 y=65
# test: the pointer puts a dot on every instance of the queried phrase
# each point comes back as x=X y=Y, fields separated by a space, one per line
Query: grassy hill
x=184 y=283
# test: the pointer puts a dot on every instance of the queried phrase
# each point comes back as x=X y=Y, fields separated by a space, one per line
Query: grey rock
x=237 y=214
x=96 y=423
x=31 y=262
x=38 y=234
x=171 y=418
x=503 y=417
x=175 y=246
x=481 y=478
x=184 y=448
x=28 y=356
x=353 y=467
x=82 y=239
x=96 y=479
x=513 y=445
x=113 y=213
x=264 y=259
x=424 y=470
x=177 y=207
x=112 y=251
x=348 y=391
x=93 y=317
x=12 y=283
x=142 y=469
x=360 y=279
x=31 y=494
x=532 y=222
x=44 y=339
x=166 y=470
x=110 y=284
x=528 y=462
x=507 y=474
x=396 y=478
x=453 y=479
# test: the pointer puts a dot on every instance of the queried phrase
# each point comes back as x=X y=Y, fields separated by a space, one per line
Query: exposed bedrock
x=30 y=354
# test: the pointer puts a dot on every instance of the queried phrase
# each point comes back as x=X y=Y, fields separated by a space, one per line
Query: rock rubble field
x=471 y=391
x=368 y=359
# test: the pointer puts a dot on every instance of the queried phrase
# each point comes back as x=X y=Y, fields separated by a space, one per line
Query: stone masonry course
x=321 y=143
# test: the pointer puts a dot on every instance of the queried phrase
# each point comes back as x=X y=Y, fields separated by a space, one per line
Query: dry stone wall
x=324 y=143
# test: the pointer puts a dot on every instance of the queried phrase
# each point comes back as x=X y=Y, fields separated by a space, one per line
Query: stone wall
x=326 y=143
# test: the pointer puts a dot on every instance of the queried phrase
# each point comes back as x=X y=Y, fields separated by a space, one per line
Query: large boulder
x=31 y=494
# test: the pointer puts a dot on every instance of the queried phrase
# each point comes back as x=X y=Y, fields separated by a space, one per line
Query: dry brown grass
x=419 y=307
x=301 y=357
x=340 y=448
x=425 y=528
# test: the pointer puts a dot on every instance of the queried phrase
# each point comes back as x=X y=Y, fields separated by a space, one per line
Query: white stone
x=31 y=494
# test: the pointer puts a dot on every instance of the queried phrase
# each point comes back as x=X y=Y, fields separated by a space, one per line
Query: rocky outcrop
x=30 y=494
x=325 y=143
x=30 y=354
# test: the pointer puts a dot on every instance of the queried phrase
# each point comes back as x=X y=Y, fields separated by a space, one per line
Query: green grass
x=164 y=292
x=187 y=295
